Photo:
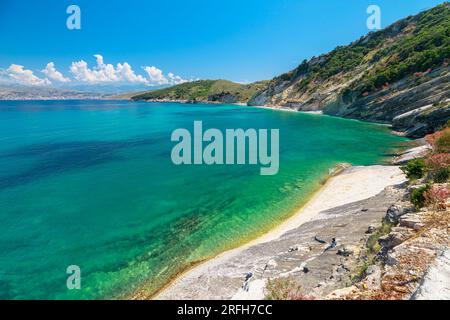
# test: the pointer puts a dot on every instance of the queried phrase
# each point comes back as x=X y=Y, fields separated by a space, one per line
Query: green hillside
x=379 y=77
x=205 y=91
x=411 y=45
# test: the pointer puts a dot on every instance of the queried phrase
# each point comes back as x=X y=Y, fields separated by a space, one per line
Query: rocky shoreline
x=353 y=240
x=192 y=101
x=412 y=262
x=293 y=250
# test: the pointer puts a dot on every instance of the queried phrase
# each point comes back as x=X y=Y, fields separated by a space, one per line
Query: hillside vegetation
x=381 y=76
x=205 y=91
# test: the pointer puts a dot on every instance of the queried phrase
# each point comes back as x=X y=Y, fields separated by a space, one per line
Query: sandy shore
x=287 y=109
x=221 y=277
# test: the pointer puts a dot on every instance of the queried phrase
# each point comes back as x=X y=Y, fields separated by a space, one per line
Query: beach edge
x=386 y=175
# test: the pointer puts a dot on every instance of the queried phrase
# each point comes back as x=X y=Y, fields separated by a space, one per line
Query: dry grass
x=285 y=289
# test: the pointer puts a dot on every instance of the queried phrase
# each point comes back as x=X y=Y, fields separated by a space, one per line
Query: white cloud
x=81 y=72
x=99 y=59
x=173 y=79
x=122 y=73
x=53 y=74
x=102 y=72
x=157 y=77
x=16 y=74
x=128 y=74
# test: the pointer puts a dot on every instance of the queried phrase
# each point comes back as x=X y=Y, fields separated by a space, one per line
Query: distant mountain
x=71 y=91
x=46 y=93
x=398 y=75
x=222 y=91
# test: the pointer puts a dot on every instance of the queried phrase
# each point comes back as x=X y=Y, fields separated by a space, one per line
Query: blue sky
x=240 y=40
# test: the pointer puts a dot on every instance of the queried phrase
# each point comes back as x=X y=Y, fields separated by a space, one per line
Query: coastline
x=348 y=187
x=302 y=215
x=140 y=295
x=188 y=102
x=280 y=108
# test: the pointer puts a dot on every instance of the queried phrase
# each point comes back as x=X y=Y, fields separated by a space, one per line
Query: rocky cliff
x=398 y=75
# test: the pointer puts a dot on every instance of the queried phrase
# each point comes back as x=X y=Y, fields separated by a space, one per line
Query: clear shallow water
x=91 y=183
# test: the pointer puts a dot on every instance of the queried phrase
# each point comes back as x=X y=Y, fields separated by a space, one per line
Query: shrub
x=418 y=196
x=442 y=142
x=372 y=244
x=284 y=289
x=438 y=164
x=437 y=197
x=441 y=176
x=414 y=169
x=438 y=161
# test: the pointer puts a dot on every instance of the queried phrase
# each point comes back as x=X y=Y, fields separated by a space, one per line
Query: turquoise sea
x=91 y=183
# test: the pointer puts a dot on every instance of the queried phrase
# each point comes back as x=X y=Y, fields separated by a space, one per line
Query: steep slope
x=398 y=75
x=205 y=91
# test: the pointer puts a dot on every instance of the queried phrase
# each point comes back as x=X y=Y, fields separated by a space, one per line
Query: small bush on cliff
x=438 y=161
x=441 y=176
x=436 y=197
x=414 y=169
x=442 y=142
x=418 y=196
x=372 y=244
x=439 y=166
x=369 y=257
